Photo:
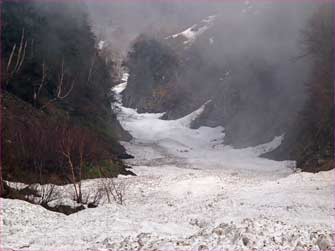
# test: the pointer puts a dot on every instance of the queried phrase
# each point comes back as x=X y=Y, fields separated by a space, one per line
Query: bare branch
x=61 y=84
x=48 y=193
x=66 y=151
x=18 y=59
x=61 y=79
x=37 y=93
x=11 y=57
x=90 y=70
x=60 y=96
x=114 y=190
x=23 y=56
x=32 y=48
x=42 y=80
x=59 y=92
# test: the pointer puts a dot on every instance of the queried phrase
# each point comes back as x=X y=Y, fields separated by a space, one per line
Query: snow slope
x=192 y=193
x=191 y=33
x=201 y=148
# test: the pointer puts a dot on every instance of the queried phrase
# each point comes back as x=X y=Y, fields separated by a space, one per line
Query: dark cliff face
x=153 y=69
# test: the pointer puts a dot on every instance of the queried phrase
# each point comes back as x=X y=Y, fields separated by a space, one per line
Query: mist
x=246 y=39
x=250 y=20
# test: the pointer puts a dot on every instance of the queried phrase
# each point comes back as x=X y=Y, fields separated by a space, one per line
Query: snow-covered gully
x=191 y=192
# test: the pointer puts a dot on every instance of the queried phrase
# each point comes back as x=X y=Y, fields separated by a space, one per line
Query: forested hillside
x=57 y=120
x=310 y=138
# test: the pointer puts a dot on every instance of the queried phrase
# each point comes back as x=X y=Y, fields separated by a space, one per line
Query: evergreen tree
x=314 y=143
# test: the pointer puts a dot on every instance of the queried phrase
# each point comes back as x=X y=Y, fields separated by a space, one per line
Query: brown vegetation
x=36 y=146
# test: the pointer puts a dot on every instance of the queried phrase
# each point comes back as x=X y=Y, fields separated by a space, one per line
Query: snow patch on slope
x=101 y=44
x=198 y=148
x=188 y=119
x=191 y=33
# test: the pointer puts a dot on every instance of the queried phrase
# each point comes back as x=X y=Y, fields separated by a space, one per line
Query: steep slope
x=55 y=92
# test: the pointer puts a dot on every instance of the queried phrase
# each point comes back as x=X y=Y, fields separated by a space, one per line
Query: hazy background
x=120 y=22
x=249 y=59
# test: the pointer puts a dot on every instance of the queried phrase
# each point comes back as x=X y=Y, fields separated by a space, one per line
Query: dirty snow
x=191 y=192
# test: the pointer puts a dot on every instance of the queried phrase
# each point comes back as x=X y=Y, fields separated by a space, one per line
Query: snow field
x=191 y=192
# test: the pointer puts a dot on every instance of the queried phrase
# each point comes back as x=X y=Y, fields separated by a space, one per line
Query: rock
x=245 y=241
x=125 y=156
x=92 y=205
x=323 y=243
x=170 y=204
x=198 y=223
x=203 y=247
x=65 y=209
x=218 y=231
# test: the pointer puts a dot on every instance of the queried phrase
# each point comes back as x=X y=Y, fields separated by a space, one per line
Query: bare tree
x=92 y=200
x=78 y=147
x=115 y=190
x=14 y=66
x=11 y=58
x=96 y=198
x=67 y=147
x=47 y=194
x=22 y=58
x=37 y=90
x=90 y=71
x=61 y=93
